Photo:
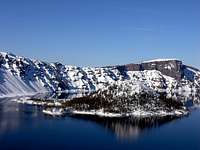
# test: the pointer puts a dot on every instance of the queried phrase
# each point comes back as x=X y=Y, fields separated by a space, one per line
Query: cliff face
x=172 y=68
x=19 y=75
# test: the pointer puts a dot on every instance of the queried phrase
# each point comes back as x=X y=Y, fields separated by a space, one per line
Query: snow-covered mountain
x=23 y=76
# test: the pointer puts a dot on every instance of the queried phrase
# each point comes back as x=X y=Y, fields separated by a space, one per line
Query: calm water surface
x=26 y=127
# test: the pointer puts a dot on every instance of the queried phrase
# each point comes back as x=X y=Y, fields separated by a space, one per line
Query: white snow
x=54 y=111
x=27 y=77
x=158 y=60
x=98 y=113
x=137 y=113
x=11 y=86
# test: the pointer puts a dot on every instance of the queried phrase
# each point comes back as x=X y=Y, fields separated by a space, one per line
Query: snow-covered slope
x=11 y=86
x=23 y=76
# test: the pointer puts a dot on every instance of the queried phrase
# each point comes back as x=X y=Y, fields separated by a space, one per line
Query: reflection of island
x=127 y=128
x=11 y=116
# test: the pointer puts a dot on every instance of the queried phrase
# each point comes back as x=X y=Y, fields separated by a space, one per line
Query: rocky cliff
x=21 y=76
x=170 y=67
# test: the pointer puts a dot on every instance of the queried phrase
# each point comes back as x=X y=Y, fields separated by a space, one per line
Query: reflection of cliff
x=7 y=121
x=11 y=114
x=126 y=128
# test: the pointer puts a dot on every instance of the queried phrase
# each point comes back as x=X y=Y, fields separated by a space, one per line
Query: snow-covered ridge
x=23 y=76
x=159 y=60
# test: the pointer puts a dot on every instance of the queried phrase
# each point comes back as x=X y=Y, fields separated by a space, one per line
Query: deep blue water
x=26 y=127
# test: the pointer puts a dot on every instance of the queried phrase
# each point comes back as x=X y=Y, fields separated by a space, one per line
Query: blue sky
x=101 y=32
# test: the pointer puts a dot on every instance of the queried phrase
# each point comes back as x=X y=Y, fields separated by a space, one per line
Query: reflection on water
x=128 y=128
x=6 y=110
x=13 y=116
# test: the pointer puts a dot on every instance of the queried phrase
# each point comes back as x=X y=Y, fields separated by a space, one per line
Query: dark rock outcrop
x=172 y=68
